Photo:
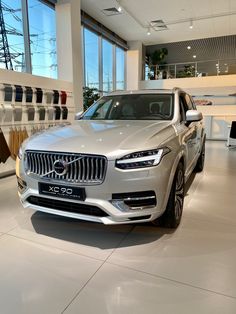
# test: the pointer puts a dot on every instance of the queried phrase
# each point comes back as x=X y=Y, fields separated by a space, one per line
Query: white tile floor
x=50 y=264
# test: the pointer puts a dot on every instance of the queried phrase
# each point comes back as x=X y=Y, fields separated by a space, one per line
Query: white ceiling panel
x=137 y=15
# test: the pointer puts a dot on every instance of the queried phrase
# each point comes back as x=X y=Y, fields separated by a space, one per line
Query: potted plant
x=90 y=95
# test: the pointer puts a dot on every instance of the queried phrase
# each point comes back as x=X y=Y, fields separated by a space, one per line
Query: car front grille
x=80 y=168
x=67 y=206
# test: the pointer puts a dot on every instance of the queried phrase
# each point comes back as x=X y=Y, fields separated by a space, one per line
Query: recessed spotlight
x=191 y=24
x=189 y=47
x=119 y=9
x=148 y=31
x=194 y=56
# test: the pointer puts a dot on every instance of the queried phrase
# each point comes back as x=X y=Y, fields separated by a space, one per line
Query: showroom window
x=104 y=62
x=12 y=55
x=120 y=69
x=28 y=43
x=42 y=29
x=107 y=66
x=91 y=61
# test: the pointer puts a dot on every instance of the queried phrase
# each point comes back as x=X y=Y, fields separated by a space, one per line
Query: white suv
x=124 y=161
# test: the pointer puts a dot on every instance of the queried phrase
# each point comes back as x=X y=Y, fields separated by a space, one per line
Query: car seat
x=155 y=108
x=127 y=111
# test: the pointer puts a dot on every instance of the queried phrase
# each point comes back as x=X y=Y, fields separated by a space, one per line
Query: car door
x=199 y=130
x=190 y=137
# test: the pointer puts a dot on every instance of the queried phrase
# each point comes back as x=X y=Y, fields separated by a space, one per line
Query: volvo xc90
x=125 y=160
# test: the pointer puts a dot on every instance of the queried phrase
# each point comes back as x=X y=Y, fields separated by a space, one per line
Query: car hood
x=109 y=138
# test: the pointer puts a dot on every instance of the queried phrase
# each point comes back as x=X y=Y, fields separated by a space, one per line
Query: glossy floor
x=50 y=264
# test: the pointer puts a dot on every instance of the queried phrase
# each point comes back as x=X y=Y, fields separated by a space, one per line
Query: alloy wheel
x=179 y=194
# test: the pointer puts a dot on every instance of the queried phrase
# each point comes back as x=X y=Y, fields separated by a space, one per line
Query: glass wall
x=120 y=69
x=42 y=29
x=42 y=40
x=107 y=66
x=91 y=69
x=104 y=63
x=12 y=55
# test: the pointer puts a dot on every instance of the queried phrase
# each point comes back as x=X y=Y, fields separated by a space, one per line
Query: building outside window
x=91 y=61
x=12 y=54
x=42 y=29
x=107 y=63
x=120 y=69
x=104 y=63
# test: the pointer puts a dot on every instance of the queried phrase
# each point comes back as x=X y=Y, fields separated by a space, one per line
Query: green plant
x=154 y=60
x=158 y=56
x=90 y=95
x=189 y=71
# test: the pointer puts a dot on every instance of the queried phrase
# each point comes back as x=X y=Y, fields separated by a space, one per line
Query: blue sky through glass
x=42 y=36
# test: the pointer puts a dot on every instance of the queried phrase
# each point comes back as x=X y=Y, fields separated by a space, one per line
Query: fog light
x=22 y=185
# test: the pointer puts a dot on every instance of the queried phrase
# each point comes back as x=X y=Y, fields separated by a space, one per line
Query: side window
x=193 y=103
x=182 y=110
x=188 y=102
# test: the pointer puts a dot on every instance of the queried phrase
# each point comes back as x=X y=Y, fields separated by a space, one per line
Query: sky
x=42 y=26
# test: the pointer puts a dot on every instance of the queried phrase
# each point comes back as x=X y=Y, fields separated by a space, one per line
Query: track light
x=191 y=24
x=149 y=31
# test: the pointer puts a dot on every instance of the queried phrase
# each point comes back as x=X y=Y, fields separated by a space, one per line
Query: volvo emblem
x=60 y=167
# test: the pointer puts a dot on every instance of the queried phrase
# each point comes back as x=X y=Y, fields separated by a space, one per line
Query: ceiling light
x=194 y=56
x=191 y=24
x=148 y=31
x=119 y=9
x=189 y=47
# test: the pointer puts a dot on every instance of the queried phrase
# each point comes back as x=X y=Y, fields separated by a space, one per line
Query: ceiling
x=210 y=18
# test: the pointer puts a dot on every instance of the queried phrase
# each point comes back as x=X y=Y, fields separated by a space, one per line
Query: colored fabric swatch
x=8 y=92
x=42 y=113
x=39 y=95
x=19 y=93
x=17 y=113
x=51 y=113
x=4 y=151
x=55 y=97
x=57 y=112
x=8 y=113
x=64 y=113
x=63 y=98
x=31 y=113
x=29 y=94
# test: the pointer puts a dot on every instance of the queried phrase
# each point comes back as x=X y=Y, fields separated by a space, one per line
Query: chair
x=127 y=111
x=232 y=135
x=155 y=108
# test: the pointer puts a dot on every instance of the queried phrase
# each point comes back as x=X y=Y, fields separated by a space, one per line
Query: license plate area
x=62 y=191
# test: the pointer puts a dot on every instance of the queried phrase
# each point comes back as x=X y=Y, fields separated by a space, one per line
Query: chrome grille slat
x=82 y=169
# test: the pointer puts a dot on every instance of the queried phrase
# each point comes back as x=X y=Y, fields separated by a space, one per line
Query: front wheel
x=173 y=213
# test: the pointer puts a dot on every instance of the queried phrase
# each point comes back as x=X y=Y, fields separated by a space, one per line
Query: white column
x=134 y=64
x=69 y=47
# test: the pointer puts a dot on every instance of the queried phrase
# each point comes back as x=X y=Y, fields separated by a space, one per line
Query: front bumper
x=111 y=197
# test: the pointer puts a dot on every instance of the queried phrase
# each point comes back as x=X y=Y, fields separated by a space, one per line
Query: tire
x=173 y=213
x=201 y=159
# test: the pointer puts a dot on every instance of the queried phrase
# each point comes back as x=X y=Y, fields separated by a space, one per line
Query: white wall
x=217 y=85
x=134 y=65
x=46 y=84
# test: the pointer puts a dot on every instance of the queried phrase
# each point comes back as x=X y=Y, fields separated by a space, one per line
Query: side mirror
x=78 y=115
x=193 y=116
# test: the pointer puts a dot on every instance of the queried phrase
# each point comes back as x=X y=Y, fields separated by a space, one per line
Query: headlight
x=148 y=158
x=20 y=153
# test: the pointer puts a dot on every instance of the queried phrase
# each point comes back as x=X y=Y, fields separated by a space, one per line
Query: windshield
x=132 y=107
